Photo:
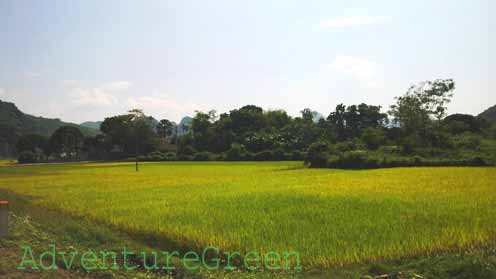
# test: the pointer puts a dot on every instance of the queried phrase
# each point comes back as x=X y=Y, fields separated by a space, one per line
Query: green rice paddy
x=331 y=217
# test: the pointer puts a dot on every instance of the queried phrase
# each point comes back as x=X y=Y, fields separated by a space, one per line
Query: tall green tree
x=141 y=131
x=336 y=122
x=67 y=140
x=165 y=128
x=34 y=143
x=422 y=103
x=129 y=132
x=202 y=129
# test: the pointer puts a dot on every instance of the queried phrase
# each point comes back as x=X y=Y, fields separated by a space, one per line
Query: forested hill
x=14 y=123
x=92 y=124
x=489 y=114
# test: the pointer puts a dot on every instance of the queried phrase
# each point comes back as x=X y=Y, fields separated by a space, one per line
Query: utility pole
x=136 y=153
x=4 y=218
x=137 y=118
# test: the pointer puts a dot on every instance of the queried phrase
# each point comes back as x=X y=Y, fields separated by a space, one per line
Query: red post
x=4 y=218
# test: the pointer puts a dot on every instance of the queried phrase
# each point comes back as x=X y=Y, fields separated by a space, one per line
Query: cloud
x=115 y=96
x=351 y=21
x=2 y=91
x=116 y=86
x=70 y=83
x=33 y=74
x=94 y=97
x=161 y=103
x=363 y=70
x=100 y=96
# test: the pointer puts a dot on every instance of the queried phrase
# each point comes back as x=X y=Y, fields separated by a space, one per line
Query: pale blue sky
x=84 y=60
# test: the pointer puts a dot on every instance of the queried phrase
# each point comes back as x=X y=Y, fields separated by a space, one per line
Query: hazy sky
x=84 y=60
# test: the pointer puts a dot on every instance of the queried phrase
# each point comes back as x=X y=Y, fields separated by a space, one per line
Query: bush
x=186 y=150
x=395 y=161
x=318 y=154
x=26 y=157
x=237 y=152
x=467 y=141
x=248 y=156
x=344 y=146
x=170 y=156
x=156 y=156
x=373 y=138
x=182 y=157
x=358 y=159
x=203 y=156
x=417 y=160
x=440 y=140
x=264 y=155
x=297 y=155
x=390 y=149
x=475 y=160
x=353 y=159
x=491 y=131
x=407 y=147
x=278 y=155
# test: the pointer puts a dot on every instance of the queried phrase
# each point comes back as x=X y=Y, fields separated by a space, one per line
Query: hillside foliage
x=415 y=131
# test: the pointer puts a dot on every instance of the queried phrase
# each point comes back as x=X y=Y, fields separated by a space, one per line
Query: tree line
x=414 y=131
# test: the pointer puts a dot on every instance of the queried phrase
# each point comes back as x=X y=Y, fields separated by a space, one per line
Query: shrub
x=407 y=147
x=333 y=161
x=475 y=160
x=236 y=152
x=317 y=154
x=264 y=155
x=156 y=156
x=186 y=150
x=219 y=156
x=396 y=161
x=467 y=141
x=203 y=156
x=297 y=155
x=26 y=157
x=344 y=146
x=183 y=157
x=390 y=149
x=373 y=138
x=278 y=154
x=440 y=139
x=170 y=156
x=353 y=159
x=361 y=159
x=417 y=160
x=358 y=159
x=491 y=131
x=248 y=156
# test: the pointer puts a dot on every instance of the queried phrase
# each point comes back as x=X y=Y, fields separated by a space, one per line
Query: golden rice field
x=329 y=216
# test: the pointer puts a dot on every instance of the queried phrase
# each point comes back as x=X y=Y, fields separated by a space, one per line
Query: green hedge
x=323 y=156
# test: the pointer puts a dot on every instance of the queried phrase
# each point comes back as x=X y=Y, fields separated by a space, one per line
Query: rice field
x=330 y=217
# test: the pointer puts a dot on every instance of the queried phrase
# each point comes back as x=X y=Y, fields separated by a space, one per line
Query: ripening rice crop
x=329 y=216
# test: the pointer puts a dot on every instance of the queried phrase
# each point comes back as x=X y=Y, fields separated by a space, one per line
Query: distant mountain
x=92 y=124
x=184 y=124
x=489 y=114
x=153 y=123
x=14 y=123
x=316 y=116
